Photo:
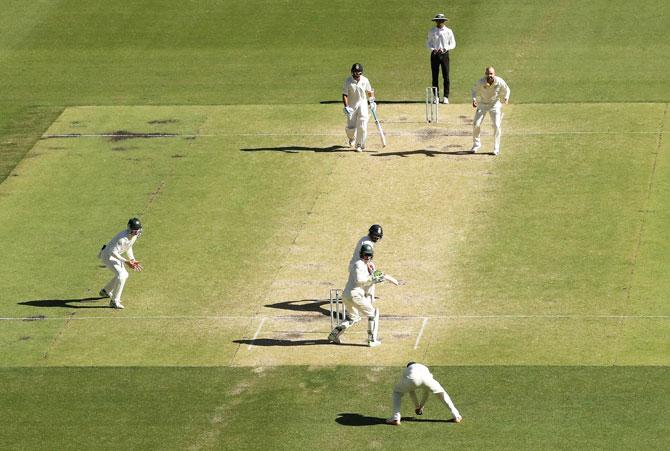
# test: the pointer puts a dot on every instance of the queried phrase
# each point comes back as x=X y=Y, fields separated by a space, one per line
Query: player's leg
x=352 y=317
x=477 y=129
x=374 y=325
x=435 y=72
x=435 y=387
x=396 y=401
x=446 y=400
x=361 y=131
x=496 y=120
x=350 y=130
x=121 y=277
x=445 y=75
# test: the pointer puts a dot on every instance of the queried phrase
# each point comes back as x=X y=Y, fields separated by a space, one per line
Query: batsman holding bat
x=112 y=257
x=355 y=93
x=357 y=295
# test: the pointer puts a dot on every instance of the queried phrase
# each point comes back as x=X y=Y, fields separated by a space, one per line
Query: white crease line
x=258 y=331
x=114 y=316
x=418 y=338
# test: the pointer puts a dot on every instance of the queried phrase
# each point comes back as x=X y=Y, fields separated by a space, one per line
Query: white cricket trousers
x=115 y=286
x=354 y=300
x=357 y=127
x=416 y=377
x=495 y=111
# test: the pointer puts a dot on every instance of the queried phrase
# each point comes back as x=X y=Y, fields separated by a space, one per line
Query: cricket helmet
x=375 y=232
x=357 y=67
x=366 y=249
x=135 y=226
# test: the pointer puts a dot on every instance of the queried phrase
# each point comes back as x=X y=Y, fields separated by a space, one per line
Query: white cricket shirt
x=489 y=95
x=357 y=91
x=441 y=38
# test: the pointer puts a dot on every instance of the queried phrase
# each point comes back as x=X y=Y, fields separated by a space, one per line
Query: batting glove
x=348 y=111
x=373 y=105
x=377 y=276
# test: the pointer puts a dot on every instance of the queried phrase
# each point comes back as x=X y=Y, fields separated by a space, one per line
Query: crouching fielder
x=112 y=257
x=358 y=295
x=416 y=376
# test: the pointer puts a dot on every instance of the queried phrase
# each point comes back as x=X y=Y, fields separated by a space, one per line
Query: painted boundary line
x=263 y=318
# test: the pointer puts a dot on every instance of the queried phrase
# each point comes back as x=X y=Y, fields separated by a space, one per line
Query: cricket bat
x=379 y=127
x=391 y=279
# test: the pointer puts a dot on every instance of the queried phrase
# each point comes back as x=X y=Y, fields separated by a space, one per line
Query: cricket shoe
x=495 y=152
x=445 y=101
x=419 y=411
x=475 y=148
x=334 y=338
x=359 y=148
x=351 y=143
x=458 y=419
x=393 y=422
x=103 y=293
x=374 y=344
x=113 y=304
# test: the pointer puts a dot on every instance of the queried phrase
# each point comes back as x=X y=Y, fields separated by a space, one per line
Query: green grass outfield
x=536 y=281
x=329 y=408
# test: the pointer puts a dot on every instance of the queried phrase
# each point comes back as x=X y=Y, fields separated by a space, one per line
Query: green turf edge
x=505 y=407
x=20 y=129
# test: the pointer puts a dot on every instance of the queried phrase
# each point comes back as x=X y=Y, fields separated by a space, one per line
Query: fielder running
x=417 y=376
x=356 y=294
x=112 y=258
x=491 y=91
x=355 y=94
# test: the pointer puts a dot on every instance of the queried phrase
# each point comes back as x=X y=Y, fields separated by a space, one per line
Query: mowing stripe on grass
x=303 y=317
x=392 y=133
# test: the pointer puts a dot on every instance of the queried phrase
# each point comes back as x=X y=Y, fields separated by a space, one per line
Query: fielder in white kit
x=417 y=376
x=355 y=94
x=112 y=257
x=487 y=95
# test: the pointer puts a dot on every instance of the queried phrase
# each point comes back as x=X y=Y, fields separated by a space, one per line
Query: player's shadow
x=282 y=342
x=379 y=102
x=65 y=303
x=305 y=305
x=356 y=419
x=425 y=420
x=298 y=149
x=426 y=152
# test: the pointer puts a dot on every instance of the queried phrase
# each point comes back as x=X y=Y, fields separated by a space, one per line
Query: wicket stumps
x=338 y=311
x=432 y=105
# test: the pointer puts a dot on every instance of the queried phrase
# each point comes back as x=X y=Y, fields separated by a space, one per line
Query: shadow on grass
x=356 y=419
x=298 y=149
x=284 y=342
x=65 y=303
x=379 y=102
x=428 y=153
x=305 y=305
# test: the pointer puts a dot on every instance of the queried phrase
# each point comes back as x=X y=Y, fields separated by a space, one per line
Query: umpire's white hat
x=439 y=18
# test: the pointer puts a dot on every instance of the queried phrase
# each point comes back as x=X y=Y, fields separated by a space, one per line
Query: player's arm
x=506 y=92
x=134 y=264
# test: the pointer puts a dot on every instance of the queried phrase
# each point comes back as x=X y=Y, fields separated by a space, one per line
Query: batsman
x=358 y=294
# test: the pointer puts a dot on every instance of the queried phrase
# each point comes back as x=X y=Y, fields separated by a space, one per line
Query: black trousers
x=437 y=61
